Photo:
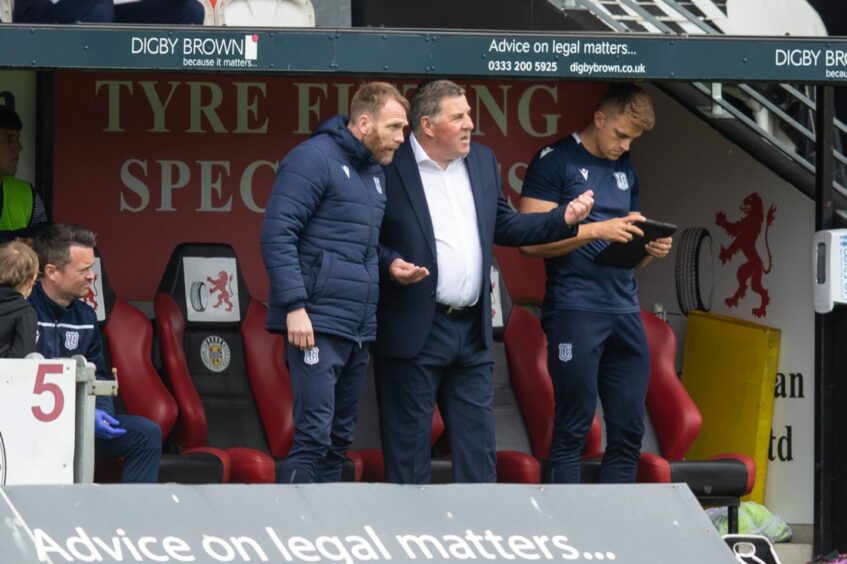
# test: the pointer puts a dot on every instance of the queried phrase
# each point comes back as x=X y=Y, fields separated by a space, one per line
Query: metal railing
x=87 y=388
x=754 y=107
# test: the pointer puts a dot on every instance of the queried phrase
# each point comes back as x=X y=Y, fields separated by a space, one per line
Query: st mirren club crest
x=215 y=354
x=71 y=340
x=621 y=181
x=565 y=352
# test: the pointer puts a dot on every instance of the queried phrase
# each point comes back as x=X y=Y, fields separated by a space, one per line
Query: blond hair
x=18 y=264
x=371 y=97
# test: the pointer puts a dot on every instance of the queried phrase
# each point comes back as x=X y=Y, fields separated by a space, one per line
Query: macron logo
x=346 y=170
x=584 y=173
x=545 y=151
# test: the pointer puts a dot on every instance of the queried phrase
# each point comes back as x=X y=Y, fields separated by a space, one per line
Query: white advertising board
x=358 y=523
x=37 y=407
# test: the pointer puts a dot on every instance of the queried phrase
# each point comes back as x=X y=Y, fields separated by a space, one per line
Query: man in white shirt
x=445 y=208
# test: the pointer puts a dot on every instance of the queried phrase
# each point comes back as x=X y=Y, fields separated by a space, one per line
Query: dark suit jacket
x=405 y=313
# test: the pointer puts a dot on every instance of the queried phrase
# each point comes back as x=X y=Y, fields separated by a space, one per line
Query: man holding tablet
x=596 y=342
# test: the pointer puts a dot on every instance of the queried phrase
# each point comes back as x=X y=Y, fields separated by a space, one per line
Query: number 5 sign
x=37 y=405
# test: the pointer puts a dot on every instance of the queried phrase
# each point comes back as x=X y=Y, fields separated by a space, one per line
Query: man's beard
x=380 y=151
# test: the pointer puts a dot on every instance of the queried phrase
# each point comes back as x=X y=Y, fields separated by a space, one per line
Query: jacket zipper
x=365 y=262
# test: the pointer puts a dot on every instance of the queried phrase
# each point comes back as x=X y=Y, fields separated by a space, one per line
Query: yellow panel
x=729 y=368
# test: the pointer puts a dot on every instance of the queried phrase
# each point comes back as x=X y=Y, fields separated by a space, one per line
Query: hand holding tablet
x=630 y=254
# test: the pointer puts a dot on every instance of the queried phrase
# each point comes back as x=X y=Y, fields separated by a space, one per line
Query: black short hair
x=9 y=118
x=53 y=243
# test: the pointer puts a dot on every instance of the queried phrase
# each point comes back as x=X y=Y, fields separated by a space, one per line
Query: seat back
x=526 y=352
x=202 y=308
x=511 y=429
x=264 y=353
x=128 y=340
x=674 y=416
x=677 y=421
x=524 y=403
x=525 y=275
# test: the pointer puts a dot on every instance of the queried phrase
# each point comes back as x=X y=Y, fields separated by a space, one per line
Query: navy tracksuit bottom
x=327 y=384
x=140 y=447
x=593 y=354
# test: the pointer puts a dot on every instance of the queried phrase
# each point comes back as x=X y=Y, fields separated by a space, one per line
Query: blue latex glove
x=106 y=426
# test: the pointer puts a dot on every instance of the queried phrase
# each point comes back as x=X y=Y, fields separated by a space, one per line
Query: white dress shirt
x=451 y=207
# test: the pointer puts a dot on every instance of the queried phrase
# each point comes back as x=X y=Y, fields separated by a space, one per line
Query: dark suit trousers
x=454 y=367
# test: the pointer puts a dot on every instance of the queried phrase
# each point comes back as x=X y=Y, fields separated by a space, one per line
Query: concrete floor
x=799 y=550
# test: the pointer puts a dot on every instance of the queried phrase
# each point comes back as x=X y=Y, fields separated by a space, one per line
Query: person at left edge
x=22 y=212
x=67 y=326
x=18 y=273
x=319 y=241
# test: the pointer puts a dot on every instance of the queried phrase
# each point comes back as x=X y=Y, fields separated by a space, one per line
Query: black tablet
x=628 y=255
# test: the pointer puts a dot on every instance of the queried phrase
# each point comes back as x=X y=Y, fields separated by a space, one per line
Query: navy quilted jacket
x=320 y=234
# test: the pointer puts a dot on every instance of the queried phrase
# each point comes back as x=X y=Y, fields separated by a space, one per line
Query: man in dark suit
x=445 y=208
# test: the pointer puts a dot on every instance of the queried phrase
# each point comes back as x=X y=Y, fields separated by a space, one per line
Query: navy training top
x=559 y=173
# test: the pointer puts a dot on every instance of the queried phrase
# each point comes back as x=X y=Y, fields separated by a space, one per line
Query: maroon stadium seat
x=673 y=422
x=524 y=275
x=218 y=359
x=523 y=393
x=676 y=421
x=526 y=349
x=128 y=337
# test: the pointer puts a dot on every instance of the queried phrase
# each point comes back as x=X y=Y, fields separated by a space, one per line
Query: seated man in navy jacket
x=67 y=327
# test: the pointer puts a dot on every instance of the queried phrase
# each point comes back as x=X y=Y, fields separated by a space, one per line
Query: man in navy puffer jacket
x=320 y=238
